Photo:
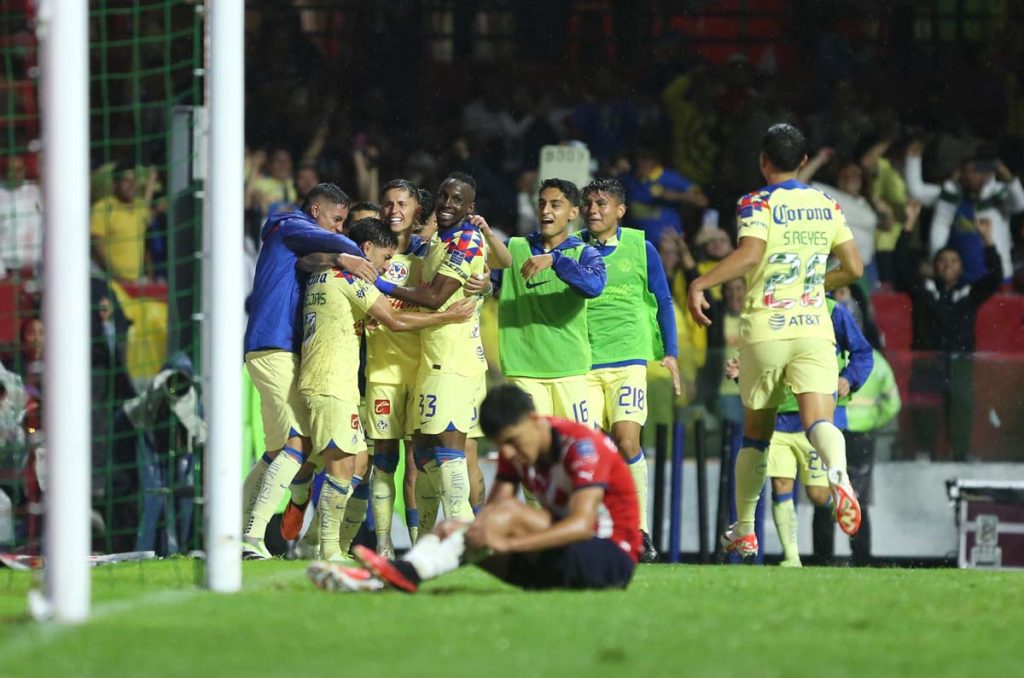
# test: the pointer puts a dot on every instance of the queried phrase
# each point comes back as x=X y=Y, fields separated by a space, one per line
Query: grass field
x=148 y=619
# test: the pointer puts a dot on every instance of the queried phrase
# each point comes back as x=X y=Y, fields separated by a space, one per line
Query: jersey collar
x=448 y=233
x=536 y=242
x=610 y=242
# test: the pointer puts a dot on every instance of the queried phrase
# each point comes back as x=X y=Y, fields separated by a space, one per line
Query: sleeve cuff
x=385 y=286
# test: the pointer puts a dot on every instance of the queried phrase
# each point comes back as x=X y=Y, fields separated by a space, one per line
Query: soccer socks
x=454 y=483
x=275 y=483
x=428 y=501
x=784 y=514
x=751 y=468
x=334 y=499
x=412 y=521
x=300 y=489
x=355 y=513
x=638 y=469
x=432 y=557
x=383 y=496
x=251 y=486
x=830 y=444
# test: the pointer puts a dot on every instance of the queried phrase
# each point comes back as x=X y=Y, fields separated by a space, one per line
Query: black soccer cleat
x=648 y=554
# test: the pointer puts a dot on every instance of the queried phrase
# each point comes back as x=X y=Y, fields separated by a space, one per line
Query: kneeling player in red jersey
x=585 y=536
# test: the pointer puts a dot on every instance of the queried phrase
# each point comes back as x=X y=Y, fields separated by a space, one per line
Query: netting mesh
x=145 y=79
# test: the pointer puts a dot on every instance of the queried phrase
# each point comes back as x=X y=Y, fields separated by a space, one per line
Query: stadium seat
x=1000 y=325
x=892 y=315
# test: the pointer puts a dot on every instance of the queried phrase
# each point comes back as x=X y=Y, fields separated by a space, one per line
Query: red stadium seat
x=892 y=315
x=1000 y=326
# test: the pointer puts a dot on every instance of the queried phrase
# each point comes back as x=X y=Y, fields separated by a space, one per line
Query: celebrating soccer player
x=630 y=323
x=272 y=340
x=786 y=232
x=451 y=381
x=542 y=307
x=584 y=536
x=329 y=374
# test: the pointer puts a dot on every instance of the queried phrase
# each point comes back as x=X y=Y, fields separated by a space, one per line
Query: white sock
x=432 y=557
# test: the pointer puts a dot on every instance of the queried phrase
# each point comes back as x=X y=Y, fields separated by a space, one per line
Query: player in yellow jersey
x=328 y=378
x=392 y=367
x=451 y=384
x=787 y=231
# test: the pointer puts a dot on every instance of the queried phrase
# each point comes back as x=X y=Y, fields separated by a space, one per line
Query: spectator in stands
x=277 y=184
x=689 y=104
x=984 y=190
x=848 y=191
x=21 y=220
x=719 y=392
x=118 y=226
x=887 y=193
x=306 y=179
x=945 y=308
x=655 y=194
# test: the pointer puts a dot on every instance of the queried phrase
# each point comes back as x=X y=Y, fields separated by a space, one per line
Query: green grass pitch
x=148 y=619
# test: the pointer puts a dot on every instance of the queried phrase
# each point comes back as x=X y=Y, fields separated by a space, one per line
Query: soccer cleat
x=256 y=550
x=383 y=569
x=648 y=554
x=845 y=507
x=331 y=577
x=745 y=545
x=291 y=521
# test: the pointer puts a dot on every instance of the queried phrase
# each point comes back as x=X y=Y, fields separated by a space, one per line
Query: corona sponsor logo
x=783 y=214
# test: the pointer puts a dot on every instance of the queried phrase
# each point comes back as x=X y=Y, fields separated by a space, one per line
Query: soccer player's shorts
x=275 y=374
x=565 y=397
x=390 y=410
x=592 y=564
x=807 y=365
x=617 y=394
x=448 y=401
x=335 y=423
x=790 y=454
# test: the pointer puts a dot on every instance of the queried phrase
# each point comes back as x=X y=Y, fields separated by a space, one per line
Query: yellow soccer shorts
x=617 y=394
x=767 y=367
x=790 y=454
x=275 y=374
x=565 y=397
x=335 y=423
x=390 y=410
x=447 y=401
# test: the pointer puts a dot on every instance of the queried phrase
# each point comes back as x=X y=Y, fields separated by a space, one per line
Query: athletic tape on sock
x=293 y=453
x=443 y=454
x=422 y=455
x=387 y=463
x=761 y=445
x=779 y=498
x=637 y=459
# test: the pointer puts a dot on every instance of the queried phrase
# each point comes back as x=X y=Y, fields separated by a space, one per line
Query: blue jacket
x=276 y=300
x=849 y=339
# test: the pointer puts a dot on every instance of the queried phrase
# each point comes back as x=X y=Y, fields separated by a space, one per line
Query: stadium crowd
x=934 y=199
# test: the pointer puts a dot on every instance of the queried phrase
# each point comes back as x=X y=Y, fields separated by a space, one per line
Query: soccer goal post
x=64 y=32
x=223 y=321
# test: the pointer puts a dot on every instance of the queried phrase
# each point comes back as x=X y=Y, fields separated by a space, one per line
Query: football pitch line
x=34 y=635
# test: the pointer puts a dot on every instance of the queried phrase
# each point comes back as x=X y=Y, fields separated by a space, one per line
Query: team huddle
x=580 y=316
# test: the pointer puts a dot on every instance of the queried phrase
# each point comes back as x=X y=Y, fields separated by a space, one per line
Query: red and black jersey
x=582 y=458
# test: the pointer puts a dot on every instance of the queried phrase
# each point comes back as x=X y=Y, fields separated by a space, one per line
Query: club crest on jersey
x=383 y=426
x=776 y=321
x=382 y=406
x=585 y=448
x=397 y=272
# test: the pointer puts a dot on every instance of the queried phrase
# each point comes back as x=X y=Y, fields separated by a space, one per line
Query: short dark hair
x=504 y=406
x=401 y=184
x=373 y=231
x=426 y=200
x=364 y=206
x=464 y=178
x=326 y=190
x=567 y=188
x=785 y=146
x=607 y=185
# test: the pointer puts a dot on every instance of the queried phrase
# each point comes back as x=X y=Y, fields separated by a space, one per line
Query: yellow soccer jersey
x=458 y=252
x=335 y=301
x=394 y=357
x=786 y=292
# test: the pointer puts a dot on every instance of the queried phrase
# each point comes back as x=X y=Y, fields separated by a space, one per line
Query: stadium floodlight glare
x=223 y=313
x=66 y=417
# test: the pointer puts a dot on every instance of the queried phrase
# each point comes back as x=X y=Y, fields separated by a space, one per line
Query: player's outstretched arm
x=850 y=268
x=577 y=526
x=433 y=296
x=382 y=312
x=357 y=266
x=498 y=256
x=737 y=264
